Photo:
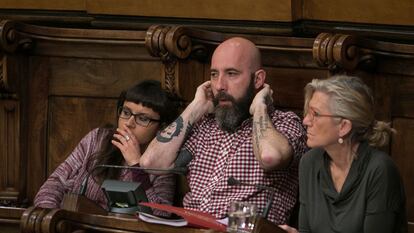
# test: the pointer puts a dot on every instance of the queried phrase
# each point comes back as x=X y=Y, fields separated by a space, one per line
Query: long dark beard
x=229 y=118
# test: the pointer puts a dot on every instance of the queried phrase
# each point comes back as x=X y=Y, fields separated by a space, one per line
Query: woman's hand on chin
x=128 y=145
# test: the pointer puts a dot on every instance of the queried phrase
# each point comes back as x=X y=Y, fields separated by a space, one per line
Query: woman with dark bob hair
x=142 y=111
x=345 y=184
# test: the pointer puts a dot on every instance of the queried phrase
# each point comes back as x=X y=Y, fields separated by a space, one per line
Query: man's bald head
x=245 y=51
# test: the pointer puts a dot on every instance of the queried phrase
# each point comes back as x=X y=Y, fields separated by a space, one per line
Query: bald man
x=231 y=129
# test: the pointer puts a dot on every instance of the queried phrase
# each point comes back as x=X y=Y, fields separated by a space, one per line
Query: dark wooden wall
x=58 y=82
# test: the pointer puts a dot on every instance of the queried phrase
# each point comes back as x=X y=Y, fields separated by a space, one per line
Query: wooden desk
x=38 y=220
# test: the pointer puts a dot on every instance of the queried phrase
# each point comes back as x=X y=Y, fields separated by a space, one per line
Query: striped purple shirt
x=68 y=176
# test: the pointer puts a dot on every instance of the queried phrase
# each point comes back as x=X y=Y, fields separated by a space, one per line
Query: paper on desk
x=193 y=217
x=165 y=221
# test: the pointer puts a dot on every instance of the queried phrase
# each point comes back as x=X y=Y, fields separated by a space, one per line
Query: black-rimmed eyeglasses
x=140 y=118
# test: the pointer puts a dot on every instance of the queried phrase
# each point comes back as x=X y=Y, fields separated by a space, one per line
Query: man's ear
x=345 y=127
x=259 y=78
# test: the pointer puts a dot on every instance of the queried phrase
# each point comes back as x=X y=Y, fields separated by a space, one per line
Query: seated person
x=345 y=183
x=142 y=111
x=245 y=138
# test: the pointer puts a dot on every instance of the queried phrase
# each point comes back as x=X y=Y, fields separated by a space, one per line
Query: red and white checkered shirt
x=218 y=155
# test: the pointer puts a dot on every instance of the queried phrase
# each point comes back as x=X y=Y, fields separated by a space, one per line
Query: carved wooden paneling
x=264 y=10
x=10 y=219
x=190 y=75
x=9 y=151
x=73 y=5
x=383 y=94
x=12 y=183
x=36 y=120
x=380 y=12
x=288 y=85
x=98 y=77
x=370 y=11
x=403 y=104
x=402 y=154
x=70 y=118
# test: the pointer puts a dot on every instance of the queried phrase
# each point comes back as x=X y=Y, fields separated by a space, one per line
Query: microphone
x=176 y=170
x=231 y=181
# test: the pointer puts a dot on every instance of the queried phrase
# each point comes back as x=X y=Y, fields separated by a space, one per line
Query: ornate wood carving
x=162 y=43
x=337 y=51
x=180 y=42
x=31 y=219
x=10 y=41
x=346 y=52
x=171 y=43
x=341 y=52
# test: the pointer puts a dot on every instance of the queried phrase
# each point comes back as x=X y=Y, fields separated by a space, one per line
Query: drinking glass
x=242 y=216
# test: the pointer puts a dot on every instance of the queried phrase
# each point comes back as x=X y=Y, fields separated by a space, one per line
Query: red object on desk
x=193 y=217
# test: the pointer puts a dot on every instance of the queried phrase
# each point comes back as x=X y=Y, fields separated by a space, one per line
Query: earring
x=340 y=140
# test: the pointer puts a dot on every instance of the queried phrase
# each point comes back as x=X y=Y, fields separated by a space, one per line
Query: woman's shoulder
x=381 y=162
x=102 y=131
x=314 y=154
x=312 y=157
x=95 y=136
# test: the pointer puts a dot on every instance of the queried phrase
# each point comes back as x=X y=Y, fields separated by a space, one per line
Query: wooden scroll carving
x=32 y=220
x=341 y=52
x=10 y=41
x=160 y=42
x=171 y=43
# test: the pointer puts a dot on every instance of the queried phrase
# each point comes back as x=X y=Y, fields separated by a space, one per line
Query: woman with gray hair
x=345 y=183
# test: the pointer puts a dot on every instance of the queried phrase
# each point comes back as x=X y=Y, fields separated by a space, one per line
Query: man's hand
x=203 y=99
x=263 y=97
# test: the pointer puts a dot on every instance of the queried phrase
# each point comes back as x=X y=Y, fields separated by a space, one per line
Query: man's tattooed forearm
x=259 y=129
x=171 y=131
x=256 y=135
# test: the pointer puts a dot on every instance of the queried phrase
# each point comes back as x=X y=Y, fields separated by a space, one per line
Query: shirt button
x=215 y=178
x=205 y=200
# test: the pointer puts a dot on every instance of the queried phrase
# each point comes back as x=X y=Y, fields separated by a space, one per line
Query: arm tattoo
x=259 y=129
x=173 y=130
x=183 y=159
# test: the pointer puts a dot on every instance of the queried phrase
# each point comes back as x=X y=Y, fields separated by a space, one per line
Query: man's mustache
x=223 y=96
